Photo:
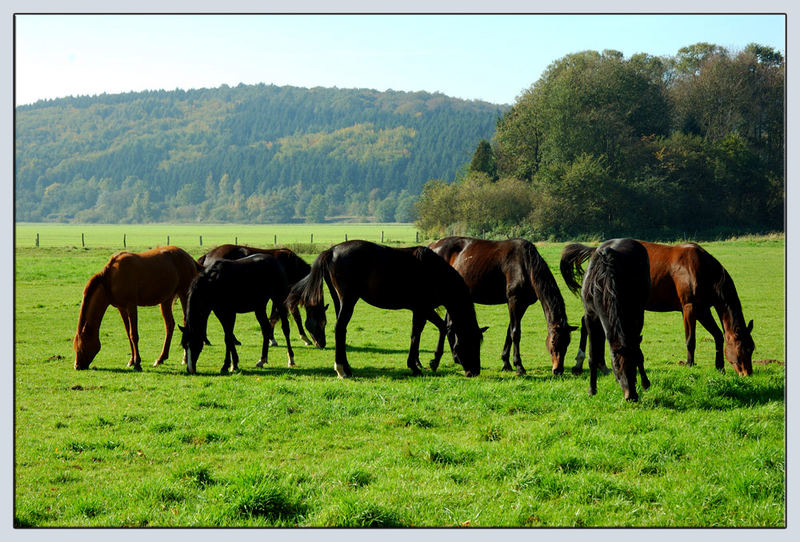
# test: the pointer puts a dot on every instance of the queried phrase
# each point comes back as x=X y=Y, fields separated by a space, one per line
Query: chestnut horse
x=614 y=292
x=127 y=281
x=510 y=272
x=413 y=278
x=686 y=278
x=293 y=265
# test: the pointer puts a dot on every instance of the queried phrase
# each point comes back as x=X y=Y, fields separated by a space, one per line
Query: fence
x=119 y=236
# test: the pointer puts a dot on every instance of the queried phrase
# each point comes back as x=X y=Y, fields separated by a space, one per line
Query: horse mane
x=544 y=283
x=725 y=291
x=97 y=281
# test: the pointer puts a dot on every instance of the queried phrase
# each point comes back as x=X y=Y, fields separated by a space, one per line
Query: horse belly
x=663 y=296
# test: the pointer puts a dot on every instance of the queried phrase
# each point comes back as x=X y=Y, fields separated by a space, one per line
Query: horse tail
x=572 y=258
x=308 y=290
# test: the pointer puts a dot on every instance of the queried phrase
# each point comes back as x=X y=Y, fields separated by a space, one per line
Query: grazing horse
x=510 y=272
x=293 y=265
x=413 y=278
x=688 y=279
x=127 y=281
x=228 y=287
x=614 y=292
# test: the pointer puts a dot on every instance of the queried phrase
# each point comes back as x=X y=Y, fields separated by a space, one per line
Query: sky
x=492 y=58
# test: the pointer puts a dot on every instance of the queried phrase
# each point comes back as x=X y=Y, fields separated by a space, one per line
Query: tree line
x=605 y=146
x=251 y=153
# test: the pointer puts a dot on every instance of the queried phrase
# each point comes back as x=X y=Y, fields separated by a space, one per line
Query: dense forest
x=602 y=146
x=251 y=153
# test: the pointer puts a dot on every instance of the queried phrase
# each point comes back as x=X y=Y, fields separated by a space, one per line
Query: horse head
x=86 y=347
x=192 y=343
x=315 y=323
x=625 y=362
x=739 y=348
x=557 y=341
x=465 y=346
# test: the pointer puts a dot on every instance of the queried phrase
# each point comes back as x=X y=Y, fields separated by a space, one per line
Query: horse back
x=680 y=274
x=150 y=277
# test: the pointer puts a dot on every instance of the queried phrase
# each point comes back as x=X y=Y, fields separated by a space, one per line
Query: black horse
x=412 y=278
x=228 y=287
x=293 y=265
x=615 y=290
x=510 y=272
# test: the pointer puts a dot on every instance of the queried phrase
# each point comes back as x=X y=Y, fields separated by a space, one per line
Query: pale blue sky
x=485 y=57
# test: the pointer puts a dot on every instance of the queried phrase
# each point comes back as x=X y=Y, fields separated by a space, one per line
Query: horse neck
x=458 y=304
x=727 y=304
x=93 y=307
x=546 y=288
x=198 y=307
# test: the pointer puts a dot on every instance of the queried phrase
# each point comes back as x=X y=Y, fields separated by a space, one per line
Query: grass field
x=299 y=447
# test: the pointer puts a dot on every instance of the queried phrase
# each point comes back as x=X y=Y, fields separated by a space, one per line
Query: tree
x=483 y=160
x=317 y=209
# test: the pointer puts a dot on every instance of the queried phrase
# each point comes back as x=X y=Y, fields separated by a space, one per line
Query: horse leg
x=707 y=321
x=286 y=329
x=228 y=320
x=689 y=325
x=597 y=339
x=343 y=316
x=506 y=352
x=133 y=322
x=581 y=355
x=125 y=322
x=266 y=335
x=417 y=325
x=516 y=311
x=169 y=324
x=299 y=323
x=642 y=375
x=183 y=298
x=273 y=319
x=437 y=320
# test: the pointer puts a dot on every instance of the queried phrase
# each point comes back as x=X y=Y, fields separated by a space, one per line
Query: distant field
x=298 y=447
x=140 y=236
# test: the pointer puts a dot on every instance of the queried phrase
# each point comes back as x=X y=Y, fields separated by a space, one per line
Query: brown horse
x=293 y=265
x=614 y=292
x=510 y=272
x=127 y=281
x=686 y=278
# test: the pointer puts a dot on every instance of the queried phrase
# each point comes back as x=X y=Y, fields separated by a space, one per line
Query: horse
x=228 y=287
x=412 y=278
x=687 y=279
x=615 y=290
x=510 y=272
x=294 y=267
x=130 y=280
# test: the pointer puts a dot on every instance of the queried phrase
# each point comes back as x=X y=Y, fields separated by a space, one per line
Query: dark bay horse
x=130 y=280
x=228 y=287
x=413 y=278
x=687 y=279
x=510 y=272
x=293 y=265
x=615 y=288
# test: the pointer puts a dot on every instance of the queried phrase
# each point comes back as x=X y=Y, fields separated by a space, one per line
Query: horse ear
x=750 y=326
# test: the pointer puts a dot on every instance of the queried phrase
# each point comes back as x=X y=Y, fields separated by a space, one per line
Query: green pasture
x=299 y=447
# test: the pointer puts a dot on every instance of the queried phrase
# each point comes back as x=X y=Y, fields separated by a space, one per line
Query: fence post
x=124 y=241
x=381 y=236
x=275 y=240
x=345 y=237
x=312 y=238
x=83 y=242
x=236 y=240
x=37 y=240
x=417 y=237
x=201 y=240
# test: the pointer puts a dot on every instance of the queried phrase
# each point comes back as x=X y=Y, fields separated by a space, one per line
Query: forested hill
x=254 y=153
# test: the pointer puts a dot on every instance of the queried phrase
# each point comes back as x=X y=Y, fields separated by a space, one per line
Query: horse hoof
x=576 y=371
x=305 y=341
x=604 y=370
x=592 y=391
x=291 y=363
x=137 y=368
x=260 y=363
x=507 y=368
x=273 y=342
x=645 y=384
x=521 y=371
x=434 y=365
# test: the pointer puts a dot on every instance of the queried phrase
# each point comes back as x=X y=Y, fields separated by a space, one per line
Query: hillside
x=252 y=153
